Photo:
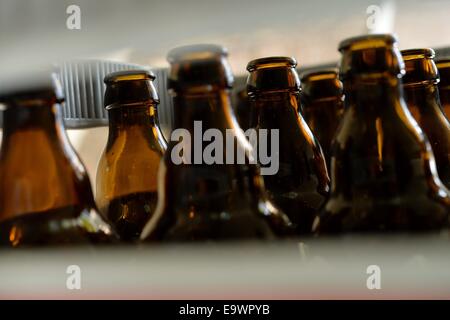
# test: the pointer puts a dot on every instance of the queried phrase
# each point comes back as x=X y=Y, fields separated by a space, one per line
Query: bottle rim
x=197 y=52
x=129 y=75
x=147 y=96
x=419 y=53
x=443 y=63
x=311 y=82
x=367 y=41
x=271 y=62
x=200 y=67
x=318 y=75
x=420 y=68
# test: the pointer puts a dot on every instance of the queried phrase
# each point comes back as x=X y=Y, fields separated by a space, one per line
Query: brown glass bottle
x=443 y=67
x=301 y=184
x=383 y=173
x=45 y=193
x=243 y=109
x=422 y=98
x=127 y=171
x=199 y=200
x=323 y=105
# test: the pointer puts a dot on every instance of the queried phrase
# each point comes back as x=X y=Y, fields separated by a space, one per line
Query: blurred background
x=143 y=31
x=34 y=33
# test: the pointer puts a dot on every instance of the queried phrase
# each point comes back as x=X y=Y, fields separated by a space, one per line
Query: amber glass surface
x=199 y=201
x=444 y=85
x=383 y=171
x=422 y=98
x=127 y=171
x=301 y=184
x=323 y=105
x=45 y=193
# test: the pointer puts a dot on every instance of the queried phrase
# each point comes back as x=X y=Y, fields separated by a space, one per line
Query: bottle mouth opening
x=129 y=75
x=414 y=54
x=367 y=41
x=271 y=62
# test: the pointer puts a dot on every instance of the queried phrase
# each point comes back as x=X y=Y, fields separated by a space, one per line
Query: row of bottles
x=352 y=154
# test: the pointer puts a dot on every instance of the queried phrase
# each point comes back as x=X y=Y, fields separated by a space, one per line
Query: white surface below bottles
x=338 y=268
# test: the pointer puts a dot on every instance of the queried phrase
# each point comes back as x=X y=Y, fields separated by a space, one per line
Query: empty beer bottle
x=422 y=98
x=444 y=84
x=323 y=103
x=301 y=184
x=383 y=173
x=45 y=193
x=127 y=171
x=207 y=194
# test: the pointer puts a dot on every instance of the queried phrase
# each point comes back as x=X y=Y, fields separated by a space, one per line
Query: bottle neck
x=323 y=117
x=122 y=118
x=40 y=117
x=40 y=120
x=423 y=98
x=213 y=109
x=373 y=97
x=276 y=110
x=131 y=118
x=278 y=98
